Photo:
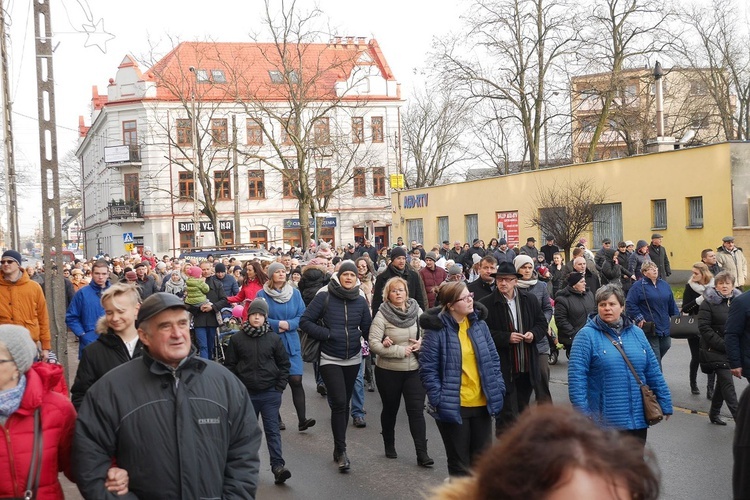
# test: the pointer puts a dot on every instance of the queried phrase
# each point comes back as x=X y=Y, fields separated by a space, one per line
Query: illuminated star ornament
x=97 y=36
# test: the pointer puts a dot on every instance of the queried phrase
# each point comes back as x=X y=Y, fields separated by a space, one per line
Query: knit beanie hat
x=161 y=266
x=521 y=260
x=347 y=265
x=131 y=276
x=324 y=250
x=194 y=272
x=641 y=244
x=398 y=252
x=12 y=254
x=22 y=349
x=431 y=256
x=220 y=268
x=275 y=266
x=258 y=306
x=455 y=270
x=574 y=278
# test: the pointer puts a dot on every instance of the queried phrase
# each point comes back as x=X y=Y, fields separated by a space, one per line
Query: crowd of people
x=463 y=331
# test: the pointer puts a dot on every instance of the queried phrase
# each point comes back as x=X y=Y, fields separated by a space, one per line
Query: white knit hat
x=519 y=261
x=22 y=349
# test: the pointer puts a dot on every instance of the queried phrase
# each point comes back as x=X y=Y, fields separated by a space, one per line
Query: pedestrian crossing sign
x=127 y=237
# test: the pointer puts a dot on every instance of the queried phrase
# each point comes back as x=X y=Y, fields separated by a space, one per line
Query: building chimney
x=658 y=74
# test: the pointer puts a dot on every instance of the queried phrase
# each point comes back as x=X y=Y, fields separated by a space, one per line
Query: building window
x=358 y=130
x=360 y=188
x=291 y=179
x=258 y=239
x=130 y=133
x=219 y=131
x=186 y=188
x=699 y=120
x=414 y=230
x=471 y=223
x=323 y=185
x=201 y=76
x=695 y=212
x=443 y=229
x=658 y=214
x=321 y=131
x=256 y=185
x=187 y=240
x=222 y=187
x=377 y=129
x=277 y=76
x=130 y=183
x=227 y=237
x=378 y=181
x=698 y=87
x=184 y=132
x=218 y=76
x=288 y=129
x=254 y=132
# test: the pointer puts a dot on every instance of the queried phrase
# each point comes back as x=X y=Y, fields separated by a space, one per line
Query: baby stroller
x=232 y=317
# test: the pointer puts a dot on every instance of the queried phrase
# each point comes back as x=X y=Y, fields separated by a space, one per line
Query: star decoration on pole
x=97 y=36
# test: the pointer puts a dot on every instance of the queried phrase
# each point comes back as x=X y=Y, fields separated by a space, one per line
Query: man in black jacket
x=516 y=322
x=205 y=319
x=146 y=283
x=660 y=256
x=182 y=427
x=485 y=285
x=398 y=268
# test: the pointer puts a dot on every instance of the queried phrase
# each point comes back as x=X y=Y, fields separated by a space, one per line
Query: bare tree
x=434 y=130
x=512 y=47
x=567 y=209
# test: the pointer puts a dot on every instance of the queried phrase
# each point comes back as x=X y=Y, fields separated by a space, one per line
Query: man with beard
x=398 y=268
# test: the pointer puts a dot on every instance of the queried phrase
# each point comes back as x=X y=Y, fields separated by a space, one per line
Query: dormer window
x=218 y=76
x=201 y=76
x=277 y=76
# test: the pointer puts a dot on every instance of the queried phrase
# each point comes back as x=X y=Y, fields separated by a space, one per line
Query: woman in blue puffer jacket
x=460 y=370
x=600 y=384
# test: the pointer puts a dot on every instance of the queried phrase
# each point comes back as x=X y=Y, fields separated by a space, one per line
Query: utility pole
x=14 y=236
x=236 y=167
x=194 y=131
x=51 y=219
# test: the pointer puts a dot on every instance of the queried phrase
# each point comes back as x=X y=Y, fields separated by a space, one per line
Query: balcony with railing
x=125 y=210
x=123 y=156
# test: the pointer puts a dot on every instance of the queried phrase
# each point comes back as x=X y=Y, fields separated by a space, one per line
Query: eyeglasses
x=507 y=278
x=7 y=361
x=468 y=298
x=7 y=262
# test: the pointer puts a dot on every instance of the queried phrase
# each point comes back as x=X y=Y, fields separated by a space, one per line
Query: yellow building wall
x=634 y=182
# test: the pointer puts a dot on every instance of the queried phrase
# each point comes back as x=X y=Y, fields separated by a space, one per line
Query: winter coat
x=106 y=353
x=174 y=287
x=692 y=297
x=712 y=318
x=539 y=290
x=22 y=303
x=660 y=257
x=557 y=279
x=530 y=251
x=601 y=385
x=291 y=312
x=313 y=279
x=737 y=334
x=413 y=280
x=196 y=290
x=345 y=322
x=455 y=255
x=507 y=256
x=611 y=272
x=652 y=302
x=58 y=419
x=572 y=309
x=467 y=258
x=230 y=285
x=218 y=300
x=165 y=434
x=432 y=279
x=261 y=363
x=392 y=358
x=481 y=289
x=147 y=286
x=246 y=294
x=635 y=262
x=85 y=311
x=734 y=262
x=549 y=251
x=371 y=251
x=498 y=320
x=440 y=360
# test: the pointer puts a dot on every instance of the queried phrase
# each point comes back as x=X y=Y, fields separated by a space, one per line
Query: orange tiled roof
x=247 y=67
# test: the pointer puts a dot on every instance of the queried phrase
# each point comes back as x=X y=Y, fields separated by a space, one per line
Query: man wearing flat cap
x=529 y=248
x=731 y=259
x=659 y=256
x=181 y=426
x=22 y=300
x=517 y=323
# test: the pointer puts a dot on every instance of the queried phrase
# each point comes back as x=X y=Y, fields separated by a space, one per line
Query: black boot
x=390 y=450
x=694 y=388
x=343 y=461
x=423 y=459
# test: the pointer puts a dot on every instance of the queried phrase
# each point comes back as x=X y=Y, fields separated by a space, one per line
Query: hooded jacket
x=164 y=426
x=601 y=385
x=22 y=303
x=58 y=424
x=440 y=363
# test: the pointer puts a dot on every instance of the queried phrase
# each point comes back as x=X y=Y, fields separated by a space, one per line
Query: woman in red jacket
x=254 y=279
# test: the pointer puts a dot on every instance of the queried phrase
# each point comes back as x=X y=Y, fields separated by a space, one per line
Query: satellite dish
x=687 y=137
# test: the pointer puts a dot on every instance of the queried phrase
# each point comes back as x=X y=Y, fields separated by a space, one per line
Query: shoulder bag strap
x=646 y=300
x=35 y=468
x=619 y=348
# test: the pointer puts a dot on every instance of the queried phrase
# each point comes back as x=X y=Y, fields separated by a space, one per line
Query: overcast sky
x=404 y=30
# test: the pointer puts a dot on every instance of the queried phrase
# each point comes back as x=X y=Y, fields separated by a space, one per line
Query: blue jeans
x=660 y=345
x=358 y=397
x=205 y=337
x=267 y=404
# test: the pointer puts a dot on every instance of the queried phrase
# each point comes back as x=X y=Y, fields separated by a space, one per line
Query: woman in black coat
x=573 y=305
x=692 y=298
x=712 y=317
x=557 y=272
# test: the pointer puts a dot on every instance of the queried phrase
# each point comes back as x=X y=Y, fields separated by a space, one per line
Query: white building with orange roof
x=259 y=129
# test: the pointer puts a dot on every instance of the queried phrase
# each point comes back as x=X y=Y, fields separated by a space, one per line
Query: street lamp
x=194 y=132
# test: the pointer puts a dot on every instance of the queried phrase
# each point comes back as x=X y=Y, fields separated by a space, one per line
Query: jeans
x=392 y=386
x=339 y=382
x=267 y=404
x=518 y=394
x=660 y=345
x=724 y=392
x=466 y=441
x=205 y=337
x=358 y=397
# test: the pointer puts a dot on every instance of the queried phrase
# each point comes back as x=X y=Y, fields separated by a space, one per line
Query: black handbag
x=683 y=327
x=35 y=467
x=311 y=346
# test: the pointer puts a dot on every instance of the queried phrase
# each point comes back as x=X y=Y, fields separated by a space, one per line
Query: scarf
x=698 y=288
x=10 y=400
x=528 y=283
x=398 y=317
x=252 y=331
x=175 y=287
x=335 y=288
x=280 y=296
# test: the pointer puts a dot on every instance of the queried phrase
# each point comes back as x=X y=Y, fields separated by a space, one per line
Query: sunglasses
x=8 y=262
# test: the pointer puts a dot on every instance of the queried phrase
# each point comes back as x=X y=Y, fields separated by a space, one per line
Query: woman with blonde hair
x=395 y=339
x=700 y=279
